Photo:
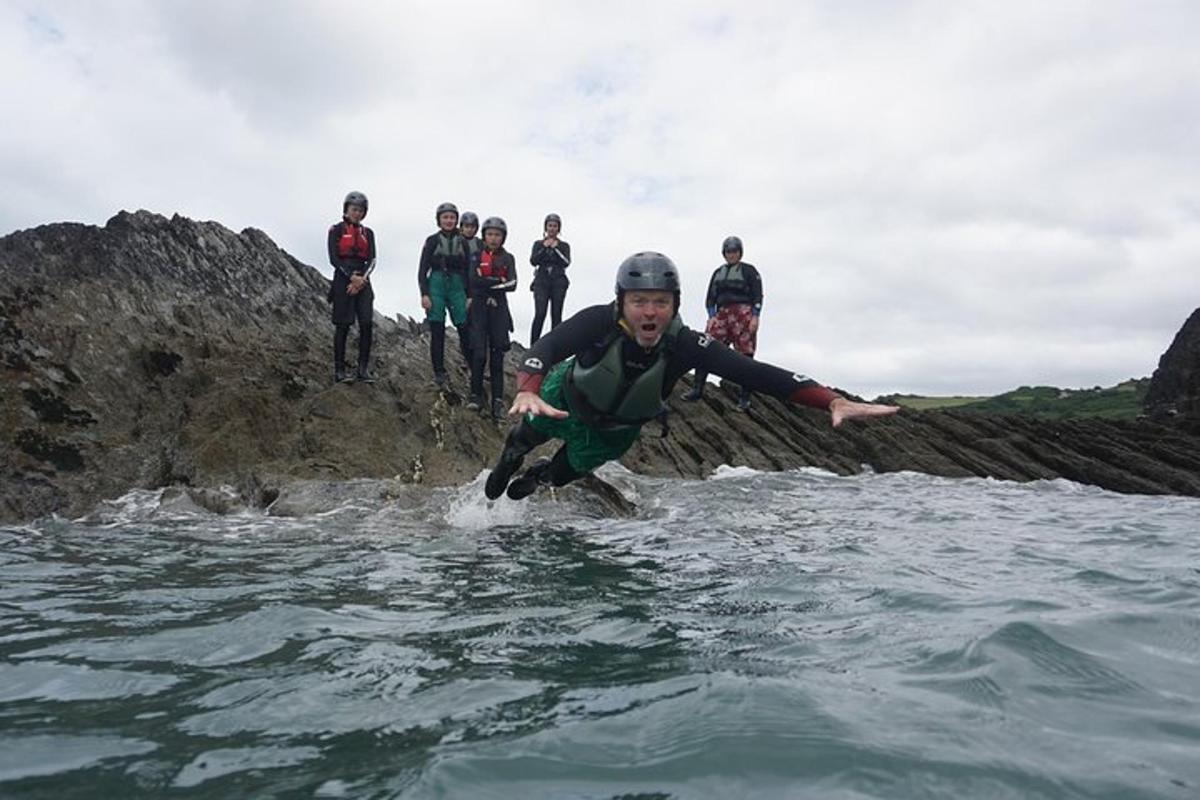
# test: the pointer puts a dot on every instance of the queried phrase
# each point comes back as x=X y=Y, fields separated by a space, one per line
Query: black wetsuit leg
x=743 y=401
x=464 y=342
x=496 y=357
x=560 y=472
x=558 y=296
x=541 y=299
x=521 y=439
x=364 y=309
x=437 y=347
x=477 y=341
x=340 y=334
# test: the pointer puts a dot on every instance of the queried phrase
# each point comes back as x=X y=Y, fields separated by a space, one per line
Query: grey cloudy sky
x=942 y=197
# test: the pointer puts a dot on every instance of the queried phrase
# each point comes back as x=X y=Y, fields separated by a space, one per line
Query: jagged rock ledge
x=167 y=352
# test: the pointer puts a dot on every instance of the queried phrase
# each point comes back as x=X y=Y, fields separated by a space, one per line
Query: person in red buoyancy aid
x=352 y=253
x=492 y=275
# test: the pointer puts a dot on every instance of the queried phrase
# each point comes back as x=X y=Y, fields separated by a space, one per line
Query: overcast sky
x=942 y=197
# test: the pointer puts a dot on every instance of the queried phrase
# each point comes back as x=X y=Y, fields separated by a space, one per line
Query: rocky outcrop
x=1174 y=393
x=167 y=352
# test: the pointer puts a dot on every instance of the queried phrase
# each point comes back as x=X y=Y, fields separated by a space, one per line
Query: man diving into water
x=595 y=380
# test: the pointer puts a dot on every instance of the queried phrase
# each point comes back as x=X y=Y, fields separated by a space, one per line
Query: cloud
x=960 y=198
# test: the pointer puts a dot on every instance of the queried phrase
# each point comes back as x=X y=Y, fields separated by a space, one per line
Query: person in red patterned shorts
x=734 y=303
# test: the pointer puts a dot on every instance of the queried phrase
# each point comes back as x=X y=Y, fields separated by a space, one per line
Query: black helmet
x=442 y=209
x=731 y=244
x=647 y=270
x=495 y=223
x=468 y=218
x=355 y=199
x=553 y=218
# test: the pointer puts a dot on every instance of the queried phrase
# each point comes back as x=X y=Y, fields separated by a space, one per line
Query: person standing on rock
x=351 y=248
x=595 y=380
x=442 y=278
x=468 y=226
x=493 y=275
x=734 y=302
x=551 y=256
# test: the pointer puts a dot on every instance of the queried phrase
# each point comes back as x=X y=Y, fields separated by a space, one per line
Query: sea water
x=753 y=635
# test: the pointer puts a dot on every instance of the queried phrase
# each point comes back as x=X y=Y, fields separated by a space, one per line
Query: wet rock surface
x=167 y=352
x=1174 y=393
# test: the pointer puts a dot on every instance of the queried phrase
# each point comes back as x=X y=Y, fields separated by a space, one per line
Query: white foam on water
x=469 y=509
x=726 y=472
x=129 y=507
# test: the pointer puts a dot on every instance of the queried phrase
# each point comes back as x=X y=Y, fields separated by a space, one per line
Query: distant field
x=925 y=403
x=1123 y=401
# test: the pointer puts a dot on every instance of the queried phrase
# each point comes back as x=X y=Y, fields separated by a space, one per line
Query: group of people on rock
x=594 y=380
x=471 y=279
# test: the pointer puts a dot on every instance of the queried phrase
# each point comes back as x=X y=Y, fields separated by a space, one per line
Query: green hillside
x=1123 y=401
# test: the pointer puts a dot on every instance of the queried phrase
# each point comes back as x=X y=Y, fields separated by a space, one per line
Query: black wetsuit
x=587 y=336
x=489 y=320
x=349 y=258
x=549 y=284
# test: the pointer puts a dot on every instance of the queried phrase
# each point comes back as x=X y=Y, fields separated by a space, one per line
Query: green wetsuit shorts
x=447 y=292
x=587 y=448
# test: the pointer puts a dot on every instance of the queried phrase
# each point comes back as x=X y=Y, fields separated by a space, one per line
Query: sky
x=942 y=198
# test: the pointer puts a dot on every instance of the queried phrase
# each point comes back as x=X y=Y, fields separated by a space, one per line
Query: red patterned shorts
x=731 y=326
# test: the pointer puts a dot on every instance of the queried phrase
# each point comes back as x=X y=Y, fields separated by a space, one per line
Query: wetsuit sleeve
x=424 y=265
x=342 y=265
x=757 y=376
x=710 y=299
x=756 y=290
x=571 y=337
x=477 y=285
x=563 y=254
x=510 y=285
x=371 y=254
x=538 y=253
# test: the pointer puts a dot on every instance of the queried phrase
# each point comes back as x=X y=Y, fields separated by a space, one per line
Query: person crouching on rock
x=442 y=278
x=595 y=380
x=352 y=254
x=493 y=275
x=734 y=303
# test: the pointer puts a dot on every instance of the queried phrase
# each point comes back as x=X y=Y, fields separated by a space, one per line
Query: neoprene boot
x=530 y=480
x=743 y=403
x=555 y=471
x=521 y=439
x=697 y=387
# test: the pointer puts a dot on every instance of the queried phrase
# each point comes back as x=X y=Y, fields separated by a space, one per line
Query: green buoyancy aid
x=731 y=279
x=604 y=397
x=450 y=254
